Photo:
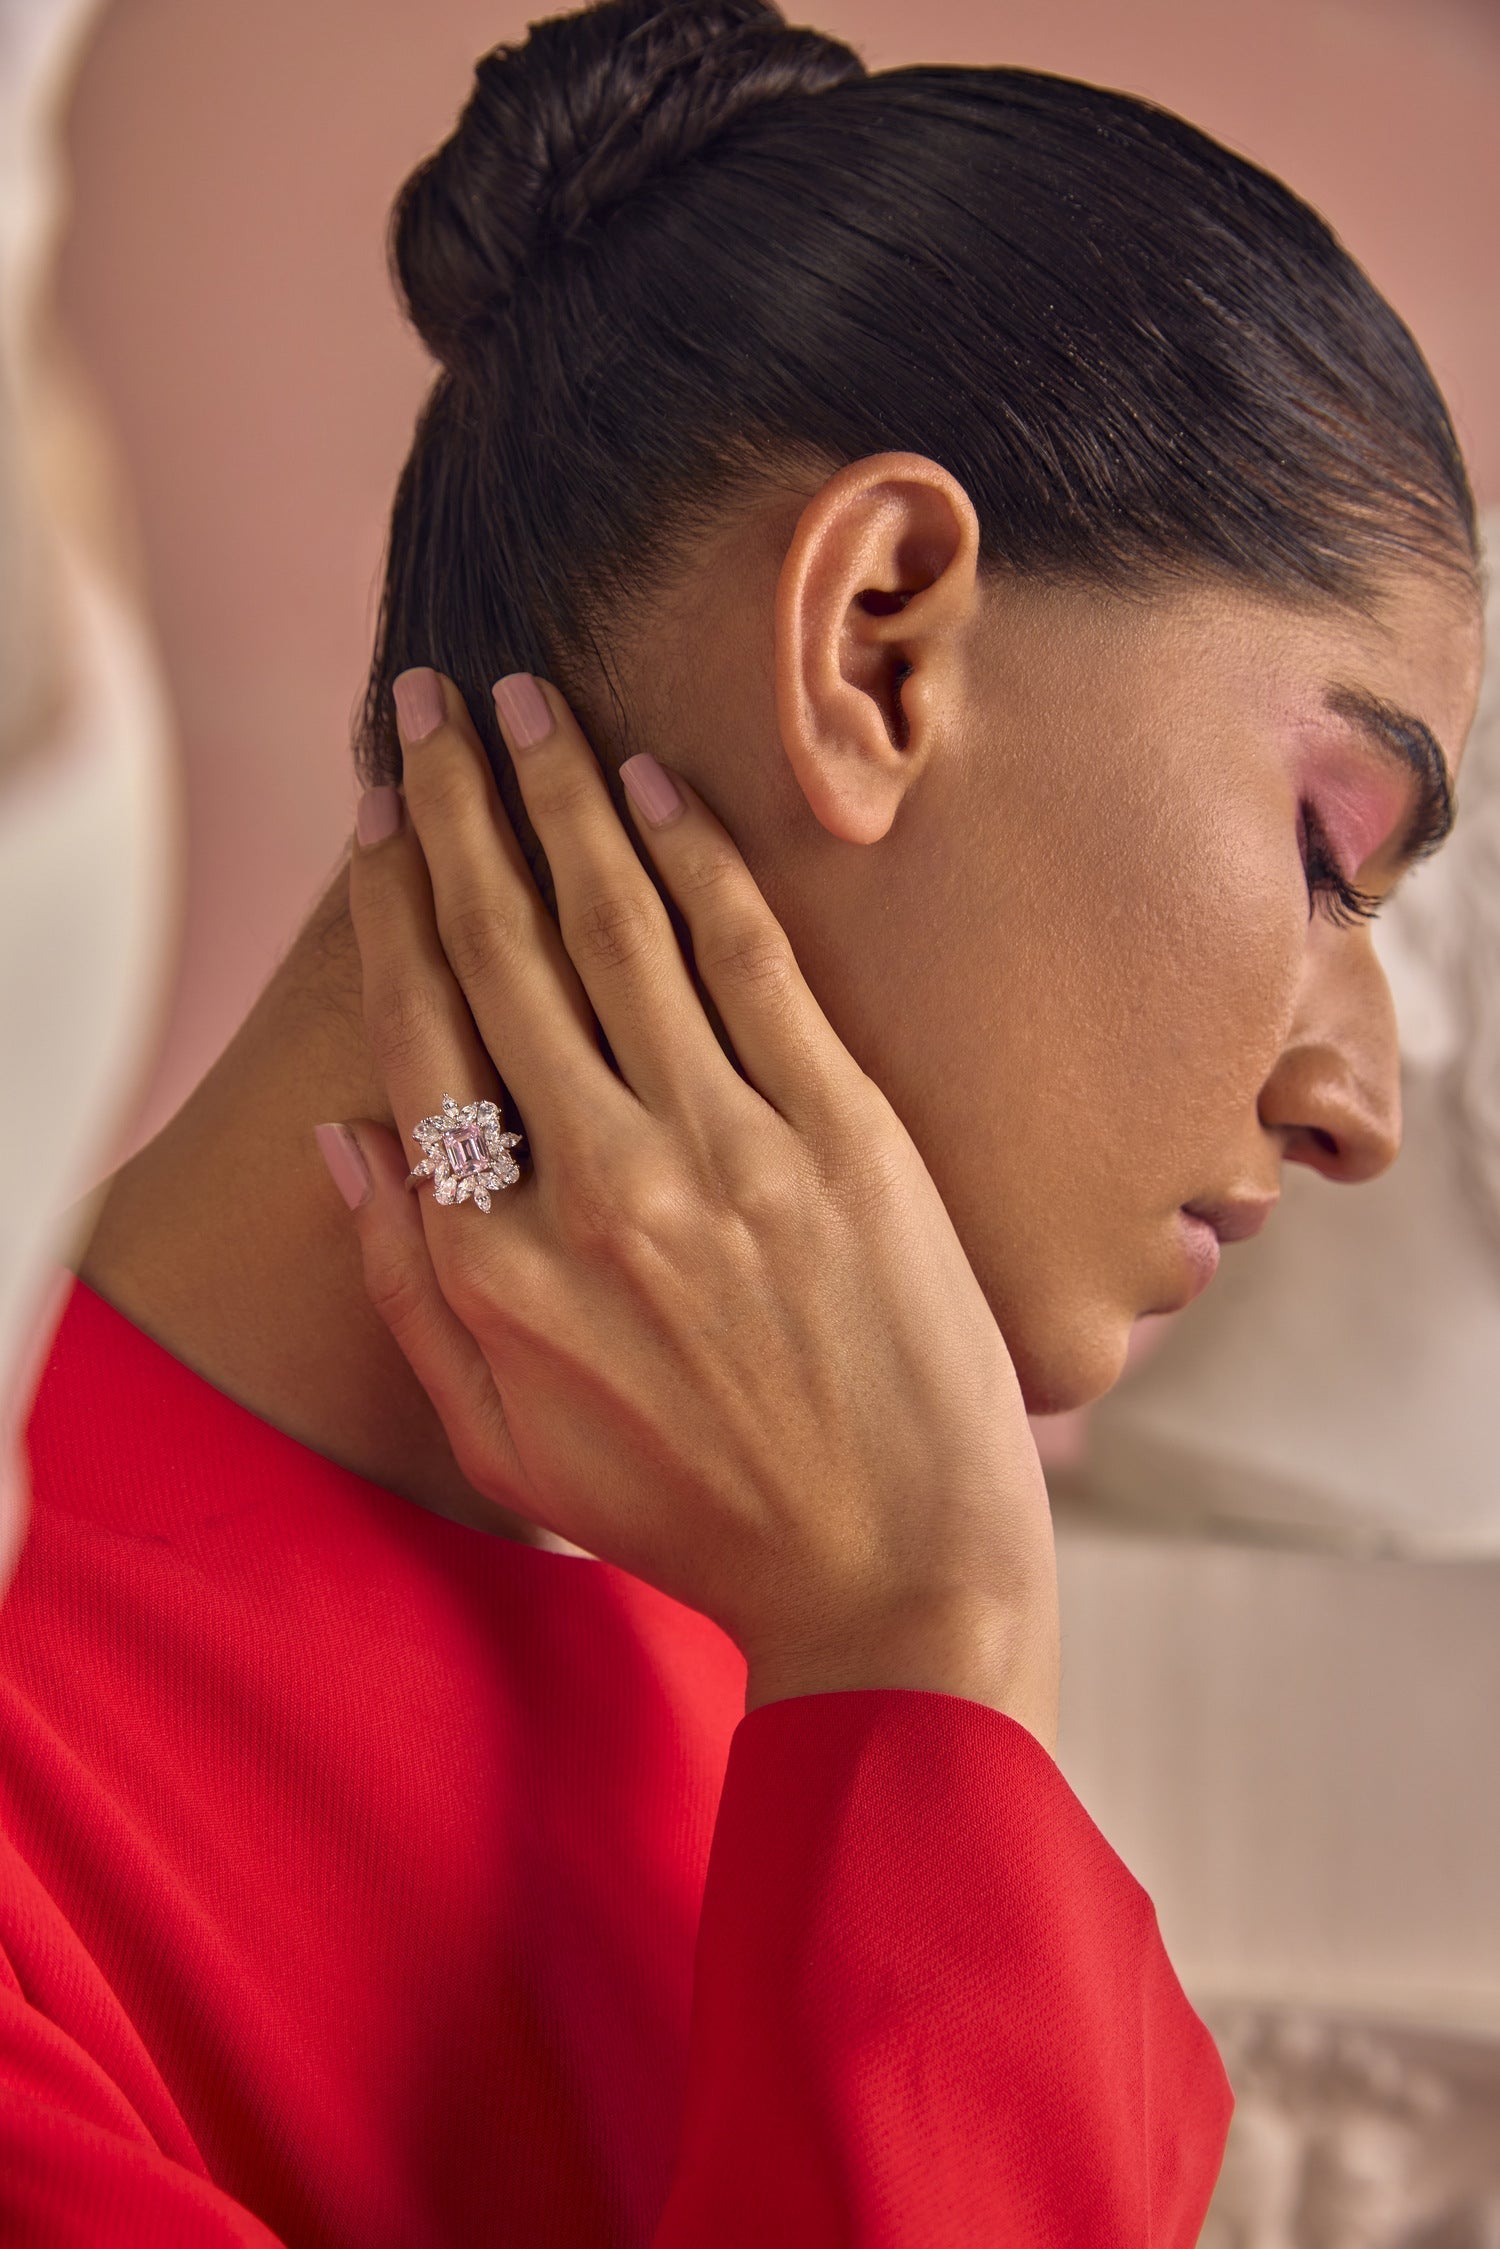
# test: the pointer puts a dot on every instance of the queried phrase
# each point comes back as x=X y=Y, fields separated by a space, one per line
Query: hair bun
x=562 y=128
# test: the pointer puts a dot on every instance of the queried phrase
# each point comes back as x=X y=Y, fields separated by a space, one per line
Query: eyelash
x=1328 y=886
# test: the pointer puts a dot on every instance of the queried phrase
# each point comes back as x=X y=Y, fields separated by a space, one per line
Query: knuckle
x=476 y=940
x=396 y=1286
x=868 y=1155
x=610 y=930
x=590 y=1215
x=501 y=1286
x=558 y=793
x=652 y=1206
x=765 y=1180
x=586 y=1221
x=706 y=872
x=404 y=1019
x=753 y=958
x=443 y=786
x=616 y=1210
x=467 y=1280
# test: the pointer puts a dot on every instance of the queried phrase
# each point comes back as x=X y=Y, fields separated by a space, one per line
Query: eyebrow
x=1398 y=735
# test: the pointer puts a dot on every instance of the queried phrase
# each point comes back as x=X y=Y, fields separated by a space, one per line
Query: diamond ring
x=465 y=1153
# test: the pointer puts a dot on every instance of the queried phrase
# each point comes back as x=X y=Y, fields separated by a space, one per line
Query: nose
x=1334 y=1097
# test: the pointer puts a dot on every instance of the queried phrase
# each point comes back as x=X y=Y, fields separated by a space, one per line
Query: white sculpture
x=87 y=840
x=1348 y=2136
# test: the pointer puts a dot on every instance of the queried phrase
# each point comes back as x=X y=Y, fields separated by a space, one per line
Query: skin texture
x=1037 y=852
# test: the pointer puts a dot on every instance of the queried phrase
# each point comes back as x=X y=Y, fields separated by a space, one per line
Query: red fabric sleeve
x=78 y=2168
x=932 y=2006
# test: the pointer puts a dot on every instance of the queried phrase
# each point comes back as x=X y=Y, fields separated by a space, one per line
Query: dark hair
x=674 y=247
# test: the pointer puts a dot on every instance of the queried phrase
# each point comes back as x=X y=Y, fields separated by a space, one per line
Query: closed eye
x=1329 y=890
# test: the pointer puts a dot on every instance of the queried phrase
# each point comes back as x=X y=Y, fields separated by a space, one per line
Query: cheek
x=1076 y=1024
x=1075 y=1017
x=1195 y=966
x=1139 y=980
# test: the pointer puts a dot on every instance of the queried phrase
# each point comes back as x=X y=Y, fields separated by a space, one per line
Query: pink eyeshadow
x=1359 y=803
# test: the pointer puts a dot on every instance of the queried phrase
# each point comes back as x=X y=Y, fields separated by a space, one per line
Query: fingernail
x=524 y=710
x=651 y=789
x=377 y=815
x=420 y=710
x=346 y=1166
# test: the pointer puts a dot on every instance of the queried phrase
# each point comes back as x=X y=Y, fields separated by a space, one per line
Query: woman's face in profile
x=1100 y=964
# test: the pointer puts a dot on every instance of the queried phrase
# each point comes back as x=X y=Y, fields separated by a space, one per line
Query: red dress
x=352 y=1891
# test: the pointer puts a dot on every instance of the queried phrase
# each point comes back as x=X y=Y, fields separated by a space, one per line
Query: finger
x=368 y=1167
x=616 y=929
x=784 y=1042
x=423 y=1036
x=501 y=942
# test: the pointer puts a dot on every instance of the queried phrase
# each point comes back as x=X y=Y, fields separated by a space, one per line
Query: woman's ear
x=875 y=594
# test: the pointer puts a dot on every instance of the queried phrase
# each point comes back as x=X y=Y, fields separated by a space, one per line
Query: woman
x=1022 y=525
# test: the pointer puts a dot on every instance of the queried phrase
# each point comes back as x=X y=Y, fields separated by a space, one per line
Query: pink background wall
x=225 y=280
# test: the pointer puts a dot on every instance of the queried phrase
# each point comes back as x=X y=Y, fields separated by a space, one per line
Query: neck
x=225 y=1240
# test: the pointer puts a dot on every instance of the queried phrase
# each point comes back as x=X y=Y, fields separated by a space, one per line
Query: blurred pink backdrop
x=225 y=282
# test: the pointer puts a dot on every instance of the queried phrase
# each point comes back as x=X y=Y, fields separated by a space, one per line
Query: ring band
x=464 y=1153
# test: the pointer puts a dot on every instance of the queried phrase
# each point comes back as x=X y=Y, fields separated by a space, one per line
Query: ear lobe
x=877 y=587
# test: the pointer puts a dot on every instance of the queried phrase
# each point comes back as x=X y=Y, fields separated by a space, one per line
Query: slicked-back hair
x=675 y=248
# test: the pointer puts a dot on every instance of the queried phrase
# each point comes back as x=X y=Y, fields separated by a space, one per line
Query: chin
x=1067 y=1364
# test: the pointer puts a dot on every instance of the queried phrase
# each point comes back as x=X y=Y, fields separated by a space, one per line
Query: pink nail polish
x=651 y=789
x=420 y=709
x=346 y=1166
x=377 y=815
x=523 y=709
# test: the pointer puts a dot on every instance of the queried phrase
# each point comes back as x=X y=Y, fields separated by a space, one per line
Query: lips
x=1232 y=1221
x=1201 y=1253
x=1203 y=1228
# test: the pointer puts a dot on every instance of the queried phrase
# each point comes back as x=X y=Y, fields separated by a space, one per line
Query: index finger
x=614 y=924
x=784 y=1042
x=503 y=946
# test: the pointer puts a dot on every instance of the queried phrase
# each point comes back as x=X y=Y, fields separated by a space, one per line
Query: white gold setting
x=465 y=1153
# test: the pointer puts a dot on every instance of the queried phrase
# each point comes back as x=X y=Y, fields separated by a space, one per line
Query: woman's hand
x=724 y=1335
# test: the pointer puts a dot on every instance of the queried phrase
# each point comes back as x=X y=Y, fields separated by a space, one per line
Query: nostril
x=1320 y=1150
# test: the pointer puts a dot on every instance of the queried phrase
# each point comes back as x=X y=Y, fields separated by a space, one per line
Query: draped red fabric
x=365 y=1880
